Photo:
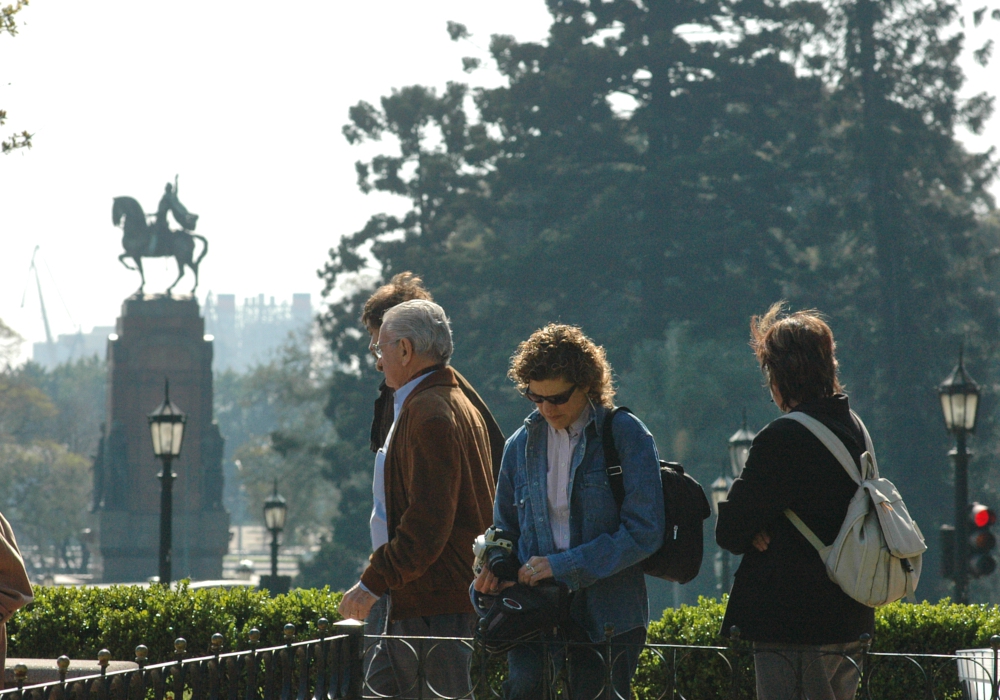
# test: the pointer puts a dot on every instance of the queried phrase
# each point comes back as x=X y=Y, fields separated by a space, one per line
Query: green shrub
x=79 y=622
x=924 y=628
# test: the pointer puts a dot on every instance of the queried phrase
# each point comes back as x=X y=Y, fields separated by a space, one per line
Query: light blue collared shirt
x=378 y=523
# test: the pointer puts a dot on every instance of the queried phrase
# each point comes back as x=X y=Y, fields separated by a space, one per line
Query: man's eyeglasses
x=555 y=399
x=377 y=349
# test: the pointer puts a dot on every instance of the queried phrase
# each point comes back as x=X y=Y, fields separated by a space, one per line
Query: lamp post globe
x=959 y=396
x=166 y=427
x=719 y=490
x=275 y=512
x=739 y=448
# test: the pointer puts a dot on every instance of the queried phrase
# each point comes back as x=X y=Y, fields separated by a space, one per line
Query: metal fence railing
x=333 y=665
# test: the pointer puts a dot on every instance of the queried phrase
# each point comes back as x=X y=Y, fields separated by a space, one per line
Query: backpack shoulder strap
x=612 y=460
x=831 y=441
x=869 y=447
x=816 y=542
x=837 y=448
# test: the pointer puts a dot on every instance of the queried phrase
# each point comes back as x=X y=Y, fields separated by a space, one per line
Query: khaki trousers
x=807 y=672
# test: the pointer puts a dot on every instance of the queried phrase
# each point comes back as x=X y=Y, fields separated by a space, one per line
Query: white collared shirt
x=561 y=445
x=378 y=524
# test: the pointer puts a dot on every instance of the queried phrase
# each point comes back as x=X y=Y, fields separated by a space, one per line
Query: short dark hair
x=559 y=351
x=796 y=353
x=405 y=286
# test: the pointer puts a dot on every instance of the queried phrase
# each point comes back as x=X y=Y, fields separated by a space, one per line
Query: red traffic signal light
x=982 y=516
x=981 y=540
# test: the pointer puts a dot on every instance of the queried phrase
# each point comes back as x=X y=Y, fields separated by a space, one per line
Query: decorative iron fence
x=333 y=666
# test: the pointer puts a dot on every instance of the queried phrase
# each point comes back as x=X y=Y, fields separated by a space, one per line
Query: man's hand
x=534 y=571
x=761 y=540
x=356 y=603
x=489 y=584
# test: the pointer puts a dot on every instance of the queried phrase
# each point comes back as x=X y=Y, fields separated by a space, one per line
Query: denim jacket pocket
x=598 y=502
x=527 y=544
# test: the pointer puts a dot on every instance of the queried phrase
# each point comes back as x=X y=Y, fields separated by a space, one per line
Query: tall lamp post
x=275 y=510
x=166 y=425
x=959 y=401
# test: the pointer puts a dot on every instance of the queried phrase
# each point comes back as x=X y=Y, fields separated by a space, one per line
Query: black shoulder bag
x=684 y=504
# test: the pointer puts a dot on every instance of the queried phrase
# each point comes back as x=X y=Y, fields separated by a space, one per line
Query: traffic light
x=981 y=540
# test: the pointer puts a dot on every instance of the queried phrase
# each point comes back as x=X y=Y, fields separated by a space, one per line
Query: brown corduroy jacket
x=384 y=415
x=438 y=499
x=15 y=590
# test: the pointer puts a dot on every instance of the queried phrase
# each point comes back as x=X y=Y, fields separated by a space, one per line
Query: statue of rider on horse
x=145 y=239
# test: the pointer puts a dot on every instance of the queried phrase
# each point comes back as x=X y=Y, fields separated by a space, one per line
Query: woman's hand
x=537 y=569
x=489 y=584
x=761 y=540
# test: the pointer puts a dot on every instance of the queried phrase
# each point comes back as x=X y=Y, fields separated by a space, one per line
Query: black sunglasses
x=555 y=400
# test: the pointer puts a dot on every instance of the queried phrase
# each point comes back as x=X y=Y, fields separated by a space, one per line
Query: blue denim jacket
x=603 y=562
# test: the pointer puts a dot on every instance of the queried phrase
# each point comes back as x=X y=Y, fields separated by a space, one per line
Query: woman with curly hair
x=554 y=497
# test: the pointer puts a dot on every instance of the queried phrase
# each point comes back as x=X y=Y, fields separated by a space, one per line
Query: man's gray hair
x=424 y=324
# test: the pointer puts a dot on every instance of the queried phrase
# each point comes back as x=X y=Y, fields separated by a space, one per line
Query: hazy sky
x=245 y=101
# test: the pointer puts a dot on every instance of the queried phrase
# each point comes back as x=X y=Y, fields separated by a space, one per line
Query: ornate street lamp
x=275 y=510
x=959 y=400
x=959 y=395
x=739 y=448
x=166 y=425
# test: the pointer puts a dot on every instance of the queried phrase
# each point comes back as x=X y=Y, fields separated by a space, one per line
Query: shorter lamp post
x=719 y=490
x=739 y=449
x=166 y=425
x=959 y=395
x=275 y=510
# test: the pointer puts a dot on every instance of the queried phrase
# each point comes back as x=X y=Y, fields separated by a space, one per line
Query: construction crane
x=49 y=343
x=53 y=350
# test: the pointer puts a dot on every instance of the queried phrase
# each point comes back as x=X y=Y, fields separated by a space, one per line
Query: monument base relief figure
x=143 y=239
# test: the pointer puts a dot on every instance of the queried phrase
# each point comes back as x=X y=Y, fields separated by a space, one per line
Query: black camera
x=495 y=550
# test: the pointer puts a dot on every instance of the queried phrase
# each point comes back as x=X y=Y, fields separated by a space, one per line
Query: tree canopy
x=49 y=427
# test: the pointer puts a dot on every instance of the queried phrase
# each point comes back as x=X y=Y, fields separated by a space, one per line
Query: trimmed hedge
x=924 y=628
x=79 y=622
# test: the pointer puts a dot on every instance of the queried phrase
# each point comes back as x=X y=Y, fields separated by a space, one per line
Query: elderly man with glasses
x=438 y=490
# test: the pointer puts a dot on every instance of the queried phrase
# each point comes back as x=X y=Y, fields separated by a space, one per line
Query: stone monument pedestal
x=159 y=338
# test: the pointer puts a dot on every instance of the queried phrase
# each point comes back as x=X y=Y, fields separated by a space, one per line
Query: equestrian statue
x=156 y=239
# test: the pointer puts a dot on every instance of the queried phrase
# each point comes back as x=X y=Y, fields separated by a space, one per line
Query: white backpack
x=876 y=557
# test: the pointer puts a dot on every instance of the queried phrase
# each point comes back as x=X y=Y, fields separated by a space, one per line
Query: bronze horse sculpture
x=157 y=240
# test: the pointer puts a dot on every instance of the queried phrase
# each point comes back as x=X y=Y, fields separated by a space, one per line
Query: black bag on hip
x=684 y=504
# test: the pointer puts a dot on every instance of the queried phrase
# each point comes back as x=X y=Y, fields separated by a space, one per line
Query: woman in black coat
x=804 y=628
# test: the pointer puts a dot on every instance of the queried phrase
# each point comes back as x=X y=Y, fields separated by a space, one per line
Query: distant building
x=70 y=347
x=252 y=332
